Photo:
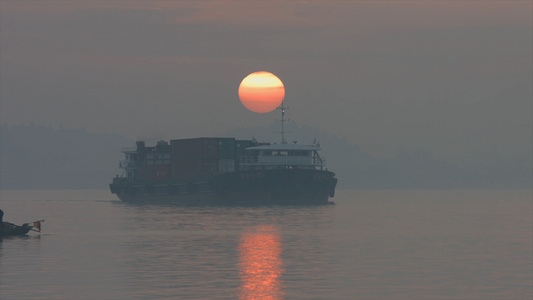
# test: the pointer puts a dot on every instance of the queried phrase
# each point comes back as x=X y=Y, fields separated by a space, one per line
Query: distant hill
x=408 y=170
x=39 y=157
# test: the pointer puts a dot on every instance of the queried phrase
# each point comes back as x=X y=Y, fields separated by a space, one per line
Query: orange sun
x=261 y=92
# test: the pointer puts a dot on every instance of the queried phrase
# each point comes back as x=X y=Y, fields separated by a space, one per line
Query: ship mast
x=283 y=108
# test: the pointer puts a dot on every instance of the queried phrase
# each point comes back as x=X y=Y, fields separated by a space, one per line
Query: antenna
x=283 y=108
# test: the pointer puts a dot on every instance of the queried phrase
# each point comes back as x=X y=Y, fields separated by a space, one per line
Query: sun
x=261 y=92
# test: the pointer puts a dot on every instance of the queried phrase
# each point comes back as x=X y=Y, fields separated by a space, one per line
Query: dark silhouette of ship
x=224 y=171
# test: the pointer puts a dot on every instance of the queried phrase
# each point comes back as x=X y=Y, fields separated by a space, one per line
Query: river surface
x=369 y=245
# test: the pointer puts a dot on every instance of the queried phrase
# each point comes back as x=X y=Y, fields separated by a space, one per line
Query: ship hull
x=275 y=186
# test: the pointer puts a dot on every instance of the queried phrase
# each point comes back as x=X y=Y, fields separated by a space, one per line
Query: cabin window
x=299 y=153
x=280 y=153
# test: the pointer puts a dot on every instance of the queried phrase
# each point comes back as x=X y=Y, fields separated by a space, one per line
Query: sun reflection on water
x=260 y=264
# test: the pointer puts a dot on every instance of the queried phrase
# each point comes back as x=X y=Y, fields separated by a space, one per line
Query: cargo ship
x=217 y=170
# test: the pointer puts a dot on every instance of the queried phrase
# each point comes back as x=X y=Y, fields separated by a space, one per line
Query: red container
x=194 y=148
x=161 y=172
x=194 y=158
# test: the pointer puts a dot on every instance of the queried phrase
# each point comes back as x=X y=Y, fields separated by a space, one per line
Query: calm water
x=370 y=245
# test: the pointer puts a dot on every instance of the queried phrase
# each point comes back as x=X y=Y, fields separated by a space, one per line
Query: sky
x=448 y=78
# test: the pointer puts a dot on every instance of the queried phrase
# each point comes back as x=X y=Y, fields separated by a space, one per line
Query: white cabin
x=282 y=156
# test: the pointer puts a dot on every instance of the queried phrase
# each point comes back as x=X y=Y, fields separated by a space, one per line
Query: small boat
x=9 y=229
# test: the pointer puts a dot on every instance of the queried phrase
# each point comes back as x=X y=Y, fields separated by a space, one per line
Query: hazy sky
x=453 y=78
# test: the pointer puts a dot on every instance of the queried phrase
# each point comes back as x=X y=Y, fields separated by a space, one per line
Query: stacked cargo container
x=194 y=158
x=156 y=161
x=226 y=155
x=189 y=159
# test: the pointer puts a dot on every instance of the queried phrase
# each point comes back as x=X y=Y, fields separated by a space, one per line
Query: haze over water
x=370 y=245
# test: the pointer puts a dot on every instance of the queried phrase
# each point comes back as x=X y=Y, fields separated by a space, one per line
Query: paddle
x=36 y=224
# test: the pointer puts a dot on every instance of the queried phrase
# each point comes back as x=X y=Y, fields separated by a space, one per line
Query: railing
x=129 y=149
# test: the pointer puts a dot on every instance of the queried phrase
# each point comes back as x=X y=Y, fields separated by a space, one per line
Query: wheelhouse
x=282 y=156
